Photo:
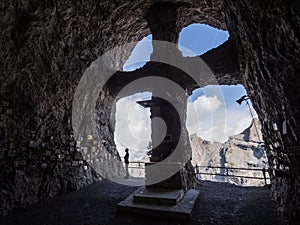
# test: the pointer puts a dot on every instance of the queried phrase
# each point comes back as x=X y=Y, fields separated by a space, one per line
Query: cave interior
x=48 y=46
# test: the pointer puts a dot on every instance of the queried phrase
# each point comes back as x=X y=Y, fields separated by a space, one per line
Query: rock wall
x=267 y=35
x=46 y=46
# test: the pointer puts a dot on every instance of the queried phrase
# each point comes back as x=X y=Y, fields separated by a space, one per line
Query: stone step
x=182 y=210
x=158 y=196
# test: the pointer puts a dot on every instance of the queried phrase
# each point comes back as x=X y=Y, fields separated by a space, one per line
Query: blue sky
x=201 y=38
x=195 y=39
x=206 y=112
x=140 y=54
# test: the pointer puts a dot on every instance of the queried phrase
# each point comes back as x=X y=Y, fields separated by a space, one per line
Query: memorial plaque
x=8 y=112
x=90 y=137
x=1 y=153
x=77 y=157
x=44 y=145
x=3 y=117
x=11 y=153
x=33 y=144
x=20 y=173
x=63 y=139
x=20 y=163
x=4 y=103
x=74 y=163
x=48 y=153
x=284 y=127
x=60 y=156
x=84 y=150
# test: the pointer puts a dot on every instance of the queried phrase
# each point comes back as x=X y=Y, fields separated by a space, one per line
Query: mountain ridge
x=244 y=150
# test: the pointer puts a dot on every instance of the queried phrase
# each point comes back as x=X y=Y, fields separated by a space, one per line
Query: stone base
x=163 y=170
x=165 y=203
x=157 y=196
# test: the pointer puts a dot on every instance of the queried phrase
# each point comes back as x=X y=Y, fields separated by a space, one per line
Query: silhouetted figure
x=126 y=159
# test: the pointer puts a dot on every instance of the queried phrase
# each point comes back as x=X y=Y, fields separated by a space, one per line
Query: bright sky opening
x=206 y=112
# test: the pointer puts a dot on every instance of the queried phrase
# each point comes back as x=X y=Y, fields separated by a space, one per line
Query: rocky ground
x=218 y=203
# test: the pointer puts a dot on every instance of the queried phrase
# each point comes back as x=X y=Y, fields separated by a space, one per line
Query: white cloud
x=201 y=113
x=207 y=116
x=211 y=120
x=133 y=125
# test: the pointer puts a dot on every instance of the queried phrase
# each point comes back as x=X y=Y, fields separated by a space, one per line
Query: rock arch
x=46 y=47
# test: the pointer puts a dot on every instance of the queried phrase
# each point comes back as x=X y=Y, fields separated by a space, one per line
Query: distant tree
x=149 y=147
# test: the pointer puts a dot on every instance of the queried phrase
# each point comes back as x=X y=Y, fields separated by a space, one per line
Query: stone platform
x=158 y=196
x=160 y=203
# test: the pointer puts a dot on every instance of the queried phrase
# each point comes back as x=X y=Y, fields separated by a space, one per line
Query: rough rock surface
x=217 y=204
x=45 y=47
x=267 y=35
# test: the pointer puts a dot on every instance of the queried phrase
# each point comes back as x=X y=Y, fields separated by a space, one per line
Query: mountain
x=244 y=150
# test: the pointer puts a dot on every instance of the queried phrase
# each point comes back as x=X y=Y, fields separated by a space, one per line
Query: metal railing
x=204 y=170
x=141 y=164
x=232 y=172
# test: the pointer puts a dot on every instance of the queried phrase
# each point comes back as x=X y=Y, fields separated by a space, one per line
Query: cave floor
x=218 y=203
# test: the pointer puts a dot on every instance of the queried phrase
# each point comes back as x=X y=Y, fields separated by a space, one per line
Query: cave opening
x=133 y=126
x=140 y=54
x=212 y=115
x=225 y=135
x=188 y=44
x=196 y=39
x=60 y=42
x=207 y=104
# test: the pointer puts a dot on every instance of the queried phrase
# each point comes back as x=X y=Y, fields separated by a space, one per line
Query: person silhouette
x=126 y=159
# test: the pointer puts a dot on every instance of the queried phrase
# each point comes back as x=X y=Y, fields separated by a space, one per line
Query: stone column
x=161 y=19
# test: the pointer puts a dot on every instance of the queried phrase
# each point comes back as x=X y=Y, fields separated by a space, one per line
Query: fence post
x=264 y=173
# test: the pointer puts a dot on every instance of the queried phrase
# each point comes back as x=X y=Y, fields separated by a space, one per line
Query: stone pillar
x=164 y=144
x=161 y=18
